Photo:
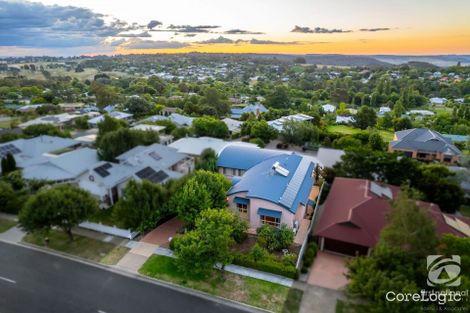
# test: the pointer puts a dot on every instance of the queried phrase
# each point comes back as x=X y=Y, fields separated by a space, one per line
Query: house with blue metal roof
x=274 y=187
x=256 y=109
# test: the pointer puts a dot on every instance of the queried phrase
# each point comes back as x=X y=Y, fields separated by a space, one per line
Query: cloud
x=269 y=42
x=130 y=35
x=192 y=29
x=217 y=40
x=378 y=29
x=241 y=32
x=28 y=24
x=153 y=23
x=189 y=35
x=317 y=30
x=137 y=43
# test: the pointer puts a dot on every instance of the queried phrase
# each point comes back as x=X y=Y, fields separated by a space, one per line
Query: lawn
x=6 y=225
x=83 y=247
x=348 y=130
x=465 y=210
x=248 y=290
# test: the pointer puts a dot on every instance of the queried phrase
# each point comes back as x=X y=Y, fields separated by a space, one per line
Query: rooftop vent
x=280 y=170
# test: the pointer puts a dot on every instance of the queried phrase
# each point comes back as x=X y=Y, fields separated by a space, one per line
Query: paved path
x=135 y=258
x=14 y=234
x=319 y=300
x=328 y=271
x=34 y=281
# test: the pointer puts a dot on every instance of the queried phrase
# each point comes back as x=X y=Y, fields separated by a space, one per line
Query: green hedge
x=309 y=256
x=268 y=264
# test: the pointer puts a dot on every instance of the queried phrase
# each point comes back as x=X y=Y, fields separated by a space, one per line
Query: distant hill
x=344 y=60
x=438 y=60
x=421 y=65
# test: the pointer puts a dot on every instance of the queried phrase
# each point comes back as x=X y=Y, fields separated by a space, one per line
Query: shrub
x=258 y=253
x=275 y=239
x=268 y=264
x=257 y=141
x=309 y=256
x=240 y=228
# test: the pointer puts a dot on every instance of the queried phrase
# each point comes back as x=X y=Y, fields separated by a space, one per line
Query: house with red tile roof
x=354 y=214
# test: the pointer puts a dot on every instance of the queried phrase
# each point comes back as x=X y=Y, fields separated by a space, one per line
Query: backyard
x=248 y=290
x=348 y=130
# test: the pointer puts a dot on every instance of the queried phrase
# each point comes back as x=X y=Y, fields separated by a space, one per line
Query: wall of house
x=230 y=172
x=254 y=220
x=431 y=156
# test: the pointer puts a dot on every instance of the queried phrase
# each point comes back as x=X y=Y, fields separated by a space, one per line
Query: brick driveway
x=161 y=234
x=328 y=271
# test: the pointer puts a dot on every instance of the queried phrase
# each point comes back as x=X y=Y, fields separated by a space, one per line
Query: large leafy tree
x=210 y=126
x=142 y=205
x=138 y=106
x=365 y=117
x=190 y=200
x=117 y=142
x=207 y=161
x=199 y=250
x=397 y=263
x=408 y=224
x=62 y=206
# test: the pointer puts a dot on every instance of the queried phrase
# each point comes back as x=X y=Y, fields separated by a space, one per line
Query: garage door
x=344 y=247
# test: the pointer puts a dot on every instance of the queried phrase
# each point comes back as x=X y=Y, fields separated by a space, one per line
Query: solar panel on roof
x=290 y=193
x=149 y=174
x=9 y=148
x=102 y=170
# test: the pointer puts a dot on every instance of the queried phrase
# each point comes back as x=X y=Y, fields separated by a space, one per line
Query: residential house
x=340 y=119
x=279 y=123
x=438 y=101
x=257 y=109
x=71 y=107
x=328 y=108
x=383 y=110
x=355 y=212
x=58 y=120
x=28 y=152
x=114 y=114
x=66 y=167
x=178 y=119
x=425 y=145
x=236 y=160
x=156 y=163
x=274 y=188
x=195 y=146
x=233 y=126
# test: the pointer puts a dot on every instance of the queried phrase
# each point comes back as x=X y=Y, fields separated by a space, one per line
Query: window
x=242 y=208
x=274 y=221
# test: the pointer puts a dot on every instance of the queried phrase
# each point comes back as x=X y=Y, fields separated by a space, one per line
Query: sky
x=91 y=27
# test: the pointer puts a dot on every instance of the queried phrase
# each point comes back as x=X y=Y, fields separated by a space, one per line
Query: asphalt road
x=34 y=281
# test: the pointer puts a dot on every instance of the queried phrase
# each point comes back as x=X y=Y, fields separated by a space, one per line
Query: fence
x=304 y=244
x=110 y=230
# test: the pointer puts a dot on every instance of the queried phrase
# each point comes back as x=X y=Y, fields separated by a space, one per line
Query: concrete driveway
x=328 y=271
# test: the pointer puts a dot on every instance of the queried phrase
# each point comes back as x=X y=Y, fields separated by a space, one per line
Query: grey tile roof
x=154 y=155
x=423 y=139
